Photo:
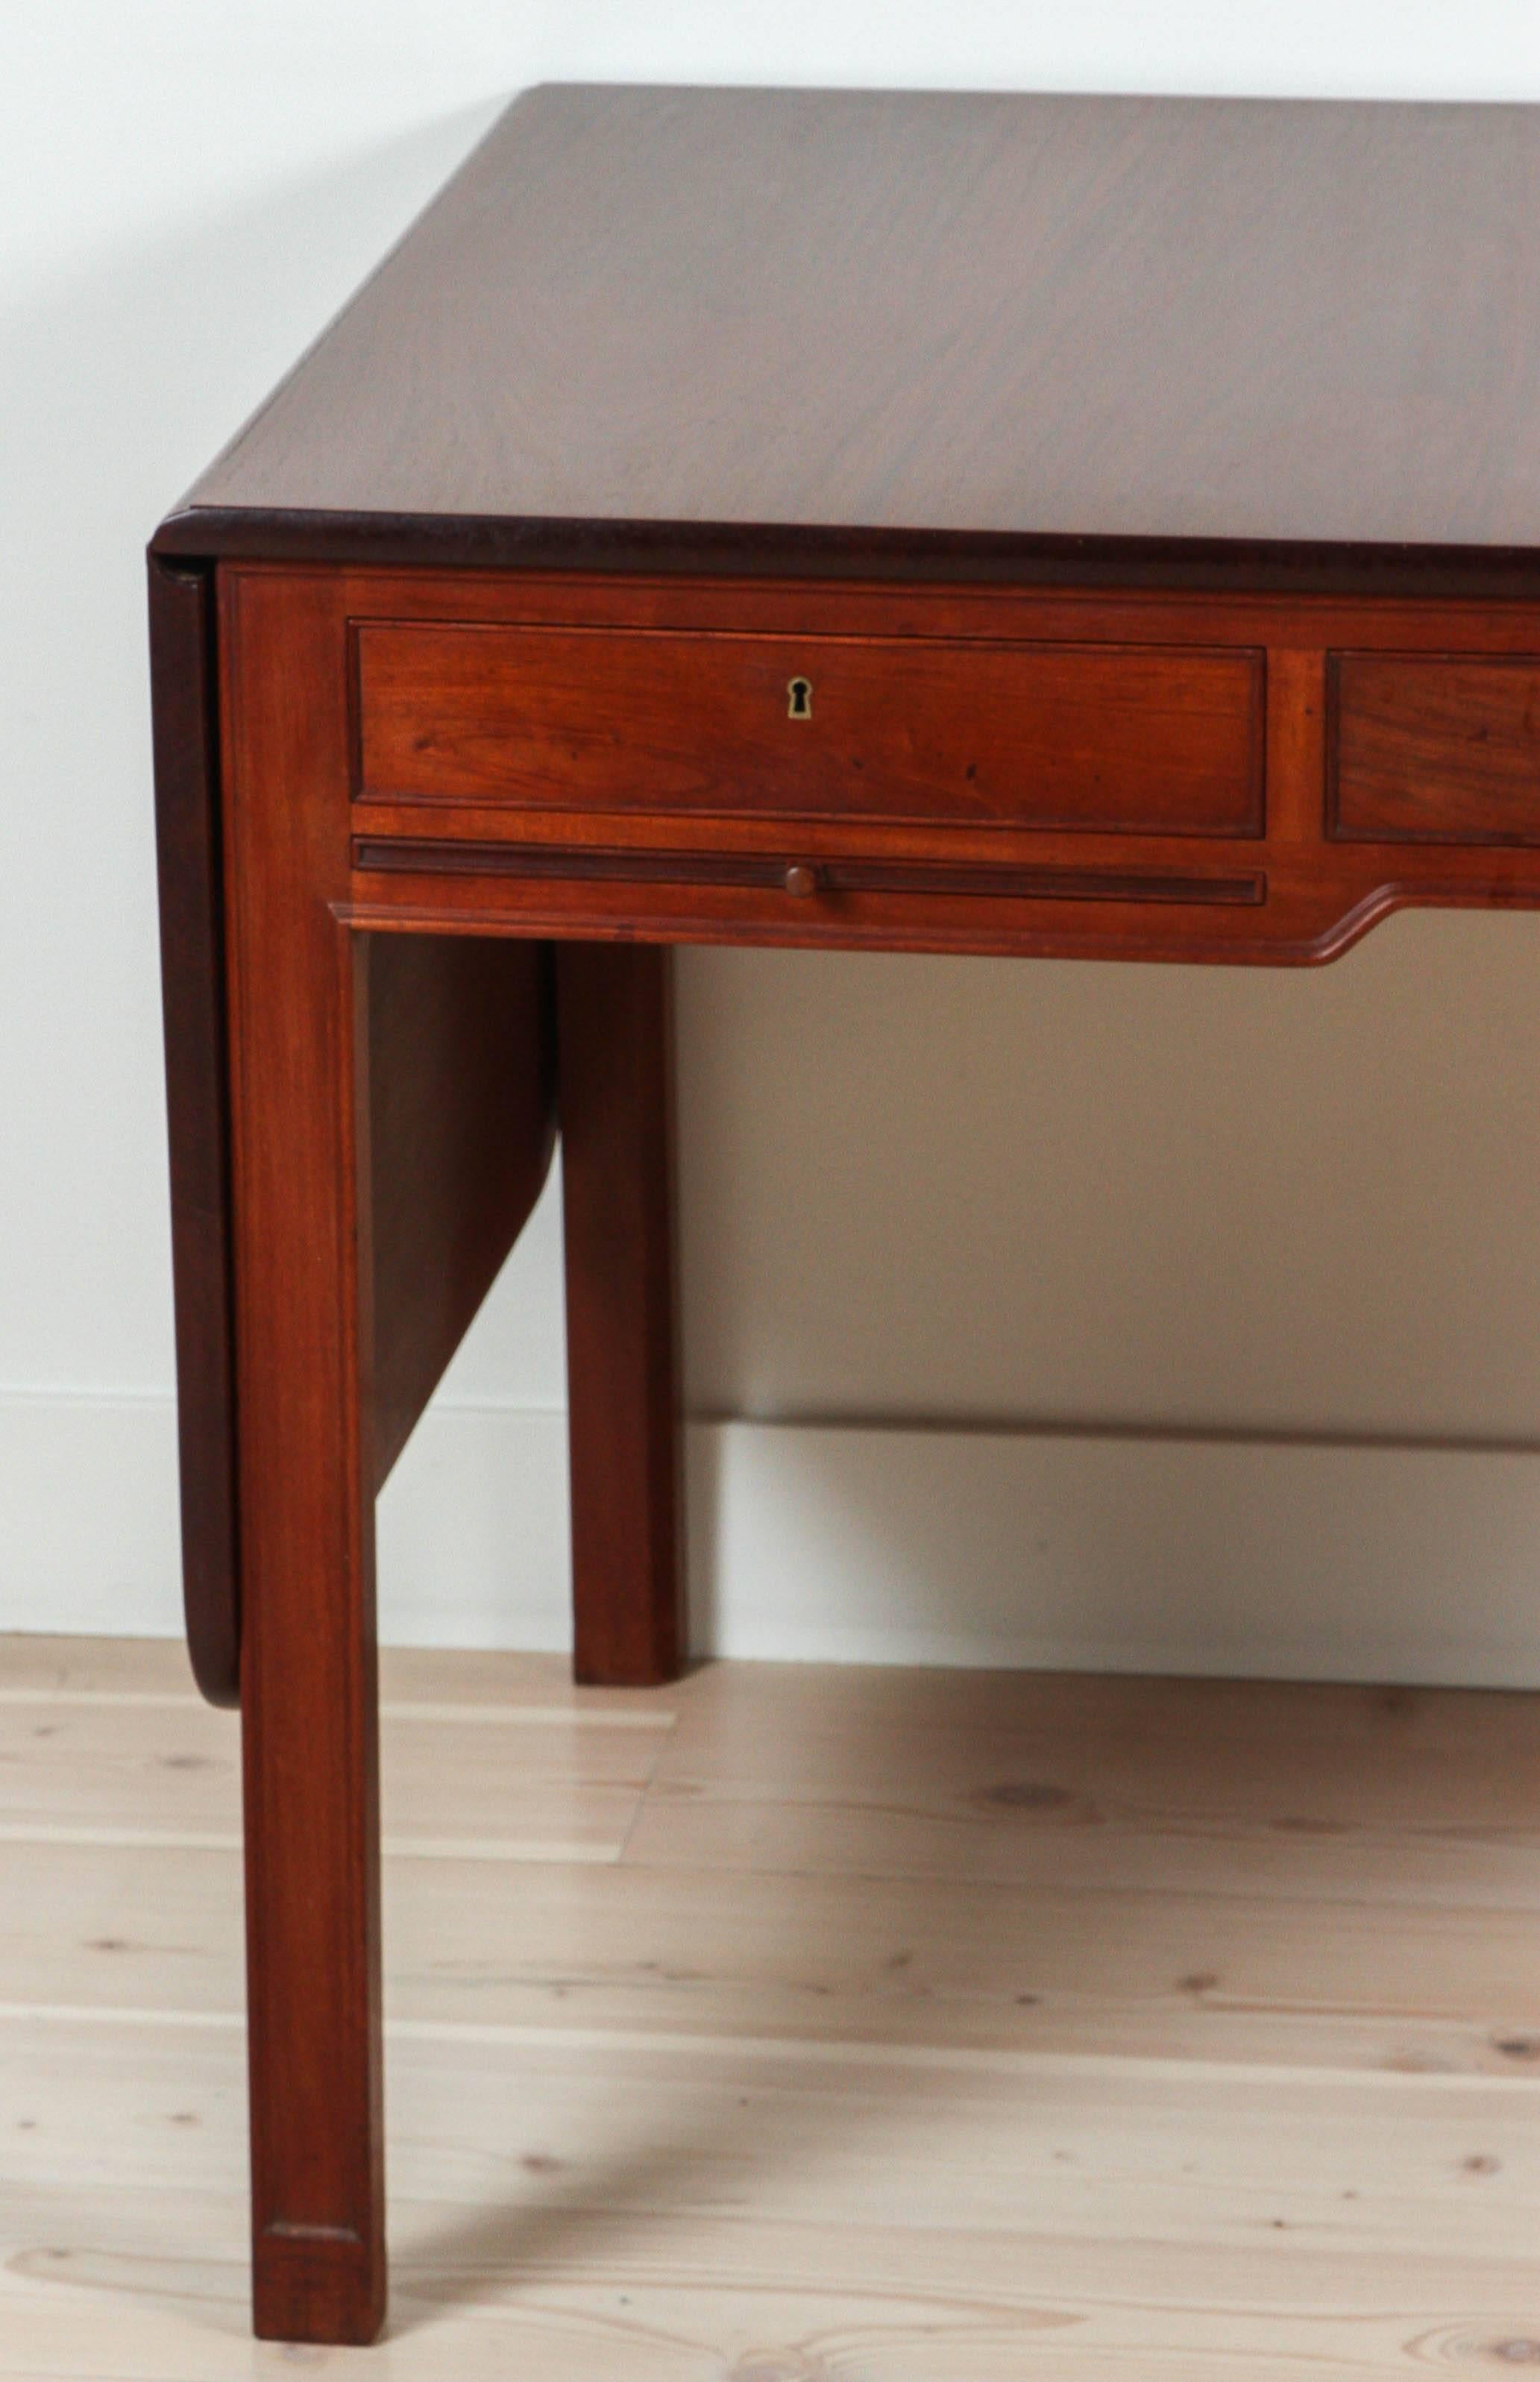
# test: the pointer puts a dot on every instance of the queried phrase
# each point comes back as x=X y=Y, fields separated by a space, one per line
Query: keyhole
x=799 y=699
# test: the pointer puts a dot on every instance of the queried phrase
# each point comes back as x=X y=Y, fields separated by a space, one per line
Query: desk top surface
x=1058 y=336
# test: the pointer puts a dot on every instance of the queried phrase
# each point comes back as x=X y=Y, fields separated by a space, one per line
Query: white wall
x=1032 y=1312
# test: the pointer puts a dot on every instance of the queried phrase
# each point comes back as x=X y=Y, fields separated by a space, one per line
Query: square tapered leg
x=615 y=1097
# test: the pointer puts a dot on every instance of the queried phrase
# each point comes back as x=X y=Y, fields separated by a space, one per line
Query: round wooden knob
x=800 y=880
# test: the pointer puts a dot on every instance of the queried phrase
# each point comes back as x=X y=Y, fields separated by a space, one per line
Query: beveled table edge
x=204 y=533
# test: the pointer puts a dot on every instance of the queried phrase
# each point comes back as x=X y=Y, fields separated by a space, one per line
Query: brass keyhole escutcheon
x=799 y=698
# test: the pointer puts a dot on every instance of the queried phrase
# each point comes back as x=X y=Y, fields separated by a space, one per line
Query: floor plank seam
x=829 y=2052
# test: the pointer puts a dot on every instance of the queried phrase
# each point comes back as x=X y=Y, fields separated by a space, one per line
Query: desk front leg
x=615 y=1098
x=308 y=1665
x=297 y=990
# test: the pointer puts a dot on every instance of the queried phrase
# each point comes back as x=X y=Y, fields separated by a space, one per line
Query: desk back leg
x=615 y=1076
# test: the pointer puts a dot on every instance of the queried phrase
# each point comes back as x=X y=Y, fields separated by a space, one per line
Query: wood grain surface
x=189 y=870
x=1249 y=2111
x=934 y=332
x=462 y=1127
x=1433 y=748
x=1140 y=737
x=615 y=1078
x=724 y=835
x=304 y=1353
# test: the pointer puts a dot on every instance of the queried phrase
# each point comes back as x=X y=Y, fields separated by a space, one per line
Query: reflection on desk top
x=1289 y=343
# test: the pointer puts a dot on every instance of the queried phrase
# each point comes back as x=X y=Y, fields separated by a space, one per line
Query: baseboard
x=845 y=1544
x=1249 y=1559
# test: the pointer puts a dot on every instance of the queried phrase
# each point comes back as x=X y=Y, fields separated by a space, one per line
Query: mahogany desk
x=1107 y=527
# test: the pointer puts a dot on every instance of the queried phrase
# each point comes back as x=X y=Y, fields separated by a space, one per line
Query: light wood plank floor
x=806 y=2025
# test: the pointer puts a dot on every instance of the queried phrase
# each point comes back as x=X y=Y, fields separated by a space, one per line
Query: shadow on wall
x=1040 y=1314
x=1024 y=1194
x=1132 y=1319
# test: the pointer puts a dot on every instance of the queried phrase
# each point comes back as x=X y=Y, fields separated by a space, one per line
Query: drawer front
x=1144 y=740
x=1432 y=748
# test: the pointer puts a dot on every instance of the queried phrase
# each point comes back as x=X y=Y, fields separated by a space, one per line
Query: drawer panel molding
x=1163 y=741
